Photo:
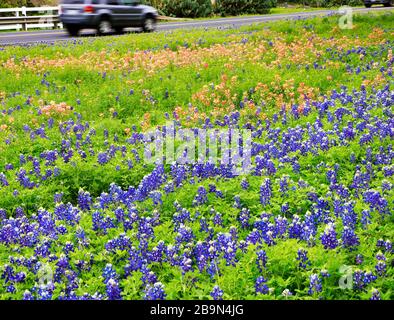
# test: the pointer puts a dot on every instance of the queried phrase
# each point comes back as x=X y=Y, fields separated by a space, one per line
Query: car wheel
x=119 y=30
x=387 y=4
x=149 y=24
x=104 y=27
x=72 y=30
x=368 y=5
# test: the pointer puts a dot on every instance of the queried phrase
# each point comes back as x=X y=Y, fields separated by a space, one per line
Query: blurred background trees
x=27 y=3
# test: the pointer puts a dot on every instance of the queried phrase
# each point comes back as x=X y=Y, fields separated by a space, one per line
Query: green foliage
x=324 y=3
x=204 y=8
x=26 y=3
x=187 y=8
x=237 y=7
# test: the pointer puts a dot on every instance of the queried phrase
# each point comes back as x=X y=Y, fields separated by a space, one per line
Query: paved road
x=50 y=36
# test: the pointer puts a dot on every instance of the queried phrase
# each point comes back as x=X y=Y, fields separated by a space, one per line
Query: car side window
x=128 y=2
x=113 y=2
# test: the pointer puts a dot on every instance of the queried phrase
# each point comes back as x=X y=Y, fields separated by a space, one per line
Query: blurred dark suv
x=369 y=3
x=106 y=15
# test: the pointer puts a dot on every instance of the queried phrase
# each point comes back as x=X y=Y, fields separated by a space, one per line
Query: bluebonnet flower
x=296 y=166
x=201 y=253
x=269 y=235
x=101 y=223
x=122 y=242
x=243 y=246
x=217 y=219
x=80 y=235
x=237 y=202
x=226 y=245
x=11 y=288
x=365 y=218
x=19 y=212
x=302 y=257
x=361 y=279
x=56 y=171
x=43 y=249
x=3 y=180
x=203 y=225
x=388 y=171
x=285 y=208
x=381 y=268
x=253 y=237
x=386 y=185
x=388 y=246
x=186 y=264
x=84 y=200
x=234 y=233
x=22 y=159
x=324 y=273
x=314 y=284
x=158 y=252
x=369 y=277
x=148 y=276
x=296 y=228
x=376 y=201
x=349 y=217
x=169 y=187
x=213 y=269
x=265 y=192
x=102 y=158
x=58 y=197
x=261 y=260
x=155 y=292
x=156 y=197
x=109 y=273
x=27 y=295
x=271 y=170
x=380 y=243
x=284 y=185
x=329 y=237
x=135 y=261
x=201 y=196
x=24 y=180
x=45 y=292
x=217 y=293
x=380 y=256
x=8 y=274
x=244 y=184
x=68 y=247
x=212 y=188
x=349 y=238
x=375 y=295
x=331 y=176
x=280 y=226
x=260 y=285
x=185 y=234
x=244 y=218
x=359 y=259
x=113 y=290
x=172 y=254
x=119 y=214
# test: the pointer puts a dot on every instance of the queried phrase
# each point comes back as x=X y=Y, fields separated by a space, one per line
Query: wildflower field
x=83 y=216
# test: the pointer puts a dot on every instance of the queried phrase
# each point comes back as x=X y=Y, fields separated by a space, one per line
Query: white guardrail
x=22 y=19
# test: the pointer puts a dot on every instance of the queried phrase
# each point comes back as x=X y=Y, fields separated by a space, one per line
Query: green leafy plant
x=237 y=7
